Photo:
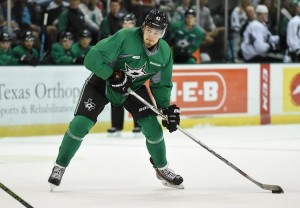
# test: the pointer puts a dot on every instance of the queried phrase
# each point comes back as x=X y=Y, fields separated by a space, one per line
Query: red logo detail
x=295 y=89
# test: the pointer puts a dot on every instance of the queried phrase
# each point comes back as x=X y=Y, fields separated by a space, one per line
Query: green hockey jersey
x=77 y=50
x=7 y=58
x=183 y=39
x=20 y=50
x=126 y=51
x=60 y=56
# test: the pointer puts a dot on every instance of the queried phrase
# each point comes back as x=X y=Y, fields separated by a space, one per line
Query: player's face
x=85 y=42
x=28 y=44
x=265 y=17
x=115 y=8
x=66 y=44
x=250 y=12
x=127 y=24
x=151 y=36
x=74 y=3
x=5 y=45
x=190 y=20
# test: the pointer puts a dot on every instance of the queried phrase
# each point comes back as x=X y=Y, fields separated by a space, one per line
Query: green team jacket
x=77 y=50
x=7 y=58
x=181 y=38
x=125 y=51
x=60 y=56
x=19 y=51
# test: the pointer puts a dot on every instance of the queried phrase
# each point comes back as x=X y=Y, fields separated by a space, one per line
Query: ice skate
x=168 y=177
x=56 y=176
x=114 y=132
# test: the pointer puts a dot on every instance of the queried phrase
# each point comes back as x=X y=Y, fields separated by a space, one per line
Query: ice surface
x=115 y=172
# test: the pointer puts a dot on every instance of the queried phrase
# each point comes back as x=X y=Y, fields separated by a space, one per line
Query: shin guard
x=78 y=128
x=152 y=130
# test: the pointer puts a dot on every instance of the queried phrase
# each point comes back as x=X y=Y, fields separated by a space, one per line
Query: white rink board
x=41 y=95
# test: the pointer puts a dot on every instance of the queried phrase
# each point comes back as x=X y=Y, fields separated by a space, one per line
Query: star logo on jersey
x=134 y=73
x=89 y=104
x=182 y=43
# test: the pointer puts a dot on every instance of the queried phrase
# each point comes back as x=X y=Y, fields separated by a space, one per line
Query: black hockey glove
x=120 y=82
x=28 y=60
x=173 y=117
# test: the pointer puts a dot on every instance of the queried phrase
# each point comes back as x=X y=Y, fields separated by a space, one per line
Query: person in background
x=122 y=62
x=28 y=16
x=82 y=47
x=286 y=14
x=238 y=19
x=185 y=37
x=258 y=41
x=117 y=112
x=250 y=13
x=214 y=36
x=293 y=36
x=53 y=9
x=14 y=28
x=25 y=51
x=129 y=21
x=142 y=7
x=112 y=22
x=272 y=17
x=180 y=10
x=71 y=19
x=6 y=53
x=61 y=51
x=92 y=17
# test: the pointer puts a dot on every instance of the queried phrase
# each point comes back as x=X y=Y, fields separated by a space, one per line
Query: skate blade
x=165 y=183
x=52 y=187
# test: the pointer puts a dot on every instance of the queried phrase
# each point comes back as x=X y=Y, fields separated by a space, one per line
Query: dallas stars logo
x=135 y=72
x=183 y=43
x=89 y=104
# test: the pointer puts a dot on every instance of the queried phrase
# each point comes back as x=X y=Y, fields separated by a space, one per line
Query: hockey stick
x=274 y=188
x=43 y=38
x=15 y=196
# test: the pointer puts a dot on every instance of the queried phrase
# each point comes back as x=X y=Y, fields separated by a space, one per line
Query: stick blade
x=274 y=188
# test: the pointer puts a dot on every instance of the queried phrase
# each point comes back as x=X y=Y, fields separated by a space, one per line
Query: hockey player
x=117 y=112
x=258 y=41
x=293 y=37
x=129 y=21
x=126 y=60
x=186 y=37
x=6 y=53
x=25 y=51
x=80 y=48
x=61 y=51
